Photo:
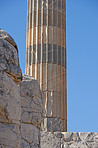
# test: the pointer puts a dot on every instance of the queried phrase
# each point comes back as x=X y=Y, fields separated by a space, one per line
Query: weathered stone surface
x=10 y=104
x=10 y=112
x=96 y=138
x=6 y=36
x=20 y=117
x=31 y=112
x=9 y=57
x=30 y=133
x=34 y=146
x=49 y=140
x=8 y=138
x=31 y=101
x=69 y=140
x=79 y=140
x=24 y=144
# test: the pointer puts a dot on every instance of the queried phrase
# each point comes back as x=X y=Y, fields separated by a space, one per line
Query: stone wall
x=10 y=104
x=10 y=112
x=20 y=100
x=31 y=112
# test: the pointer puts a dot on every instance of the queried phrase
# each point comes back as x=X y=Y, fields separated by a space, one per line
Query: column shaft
x=46 y=58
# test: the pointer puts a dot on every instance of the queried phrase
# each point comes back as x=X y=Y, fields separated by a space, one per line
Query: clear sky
x=82 y=56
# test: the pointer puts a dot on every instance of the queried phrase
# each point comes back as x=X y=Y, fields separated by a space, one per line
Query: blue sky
x=82 y=56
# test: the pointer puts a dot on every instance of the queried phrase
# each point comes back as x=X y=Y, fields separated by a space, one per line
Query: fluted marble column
x=46 y=58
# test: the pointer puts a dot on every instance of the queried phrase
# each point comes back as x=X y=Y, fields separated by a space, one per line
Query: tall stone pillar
x=46 y=58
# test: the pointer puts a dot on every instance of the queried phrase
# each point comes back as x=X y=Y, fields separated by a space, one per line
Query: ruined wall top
x=9 y=61
x=20 y=103
x=6 y=36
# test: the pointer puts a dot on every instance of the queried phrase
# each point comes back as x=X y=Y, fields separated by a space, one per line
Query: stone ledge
x=69 y=140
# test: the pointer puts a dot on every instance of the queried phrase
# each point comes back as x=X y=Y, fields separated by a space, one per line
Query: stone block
x=24 y=144
x=30 y=133
x=31 y=101
x=79 y=140
x=96 y=139
x=10 y=104
x=9 y=57
x=8 y=137
x=50 y=140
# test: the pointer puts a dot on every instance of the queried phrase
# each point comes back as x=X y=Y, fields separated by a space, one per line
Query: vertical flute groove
x=46 y=58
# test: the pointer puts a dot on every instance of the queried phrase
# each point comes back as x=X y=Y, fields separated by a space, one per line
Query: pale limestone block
x=37 y=105
x=10 y=104
x=6 y=36
x=24 y=144
x=31 y=87
x=30 y=133
x=93 y=145
x=67 y=136
x=49 y=140
x=96 y=139
x=80 y=144
x=25 y=101
x=79 y=140
x=8 y=138
x=31 y=101
x=34 y=146
x=31 y=112
x=75 y=137
x=9 y=61
x=38 y=101
x=31 y=117
x=83 y=136
x=90 y=137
